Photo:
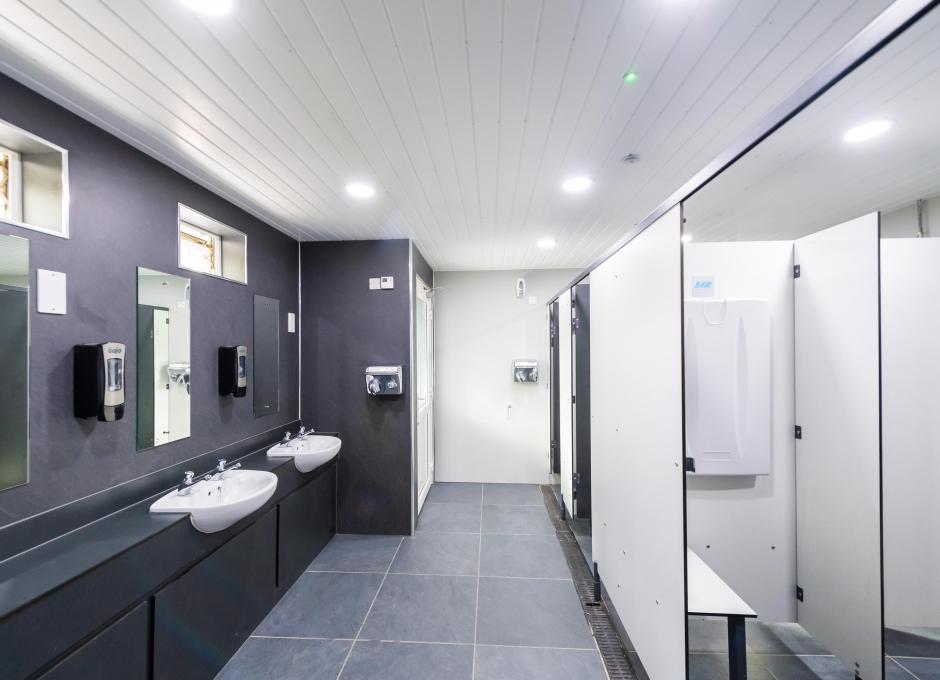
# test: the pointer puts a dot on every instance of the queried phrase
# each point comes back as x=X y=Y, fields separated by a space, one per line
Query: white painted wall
x=744 y=528
x=910 y=326
x=488 y=428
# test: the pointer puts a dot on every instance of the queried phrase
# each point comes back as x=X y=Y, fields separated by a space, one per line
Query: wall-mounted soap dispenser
x=233 y=370
x=99 y=381
x=383 y=381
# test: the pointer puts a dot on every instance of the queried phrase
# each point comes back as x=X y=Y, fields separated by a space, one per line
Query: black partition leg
x=737 y=649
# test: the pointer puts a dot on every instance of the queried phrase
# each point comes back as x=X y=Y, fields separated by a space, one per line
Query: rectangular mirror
x=33 y=182
x=162 y=358
x=14 y=348
x=265 y=352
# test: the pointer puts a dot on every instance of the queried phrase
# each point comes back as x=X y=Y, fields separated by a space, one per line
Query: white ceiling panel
x=466 y=115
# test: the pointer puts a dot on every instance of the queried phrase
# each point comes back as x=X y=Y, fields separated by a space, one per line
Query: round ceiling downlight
x=866 y=131
x=576 y=184
x=359 y=190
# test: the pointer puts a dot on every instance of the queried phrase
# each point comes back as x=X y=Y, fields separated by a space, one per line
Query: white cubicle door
x=565 y=427
x=638 y=490
x=838 y=483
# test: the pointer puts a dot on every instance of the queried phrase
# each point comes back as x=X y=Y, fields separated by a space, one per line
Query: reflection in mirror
x=910 y=326
x=265 y=355
x=163 y=401
x=14 y=348
x=33 y=181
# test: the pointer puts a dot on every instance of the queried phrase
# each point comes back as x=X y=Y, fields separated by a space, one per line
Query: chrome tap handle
x=188 y=477
x=301 y=432
x=286 y=438
x=221 y=466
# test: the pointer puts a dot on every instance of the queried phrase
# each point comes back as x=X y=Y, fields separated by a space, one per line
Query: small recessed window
x=33 y=182
x=211 y=247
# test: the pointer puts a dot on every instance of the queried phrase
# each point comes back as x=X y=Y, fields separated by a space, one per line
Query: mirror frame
x=29 y=344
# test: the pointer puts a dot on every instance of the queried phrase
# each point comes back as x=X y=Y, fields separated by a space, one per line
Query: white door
x=161 y=377
x=424 y=388
x=565 y=412
x=838 y=485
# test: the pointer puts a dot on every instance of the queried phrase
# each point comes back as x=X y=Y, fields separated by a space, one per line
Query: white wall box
x=727 y=386
x=51 y=292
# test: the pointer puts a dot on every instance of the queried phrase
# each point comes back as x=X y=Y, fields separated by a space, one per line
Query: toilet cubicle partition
x=565 y=425
x=637 y=454
x=838 y=448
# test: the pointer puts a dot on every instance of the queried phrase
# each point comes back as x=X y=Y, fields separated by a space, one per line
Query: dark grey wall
x=345 y=328
x=123 y=215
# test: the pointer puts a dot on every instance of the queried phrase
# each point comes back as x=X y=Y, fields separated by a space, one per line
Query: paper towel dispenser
x=525 y=371
x=98 y=388
x=382 y=381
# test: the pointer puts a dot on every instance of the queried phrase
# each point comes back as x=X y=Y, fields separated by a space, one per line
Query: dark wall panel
x=123 y=215
x=345 y=328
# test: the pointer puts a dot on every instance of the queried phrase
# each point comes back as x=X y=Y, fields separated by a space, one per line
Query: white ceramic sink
x=310 y=452
x=217 y=504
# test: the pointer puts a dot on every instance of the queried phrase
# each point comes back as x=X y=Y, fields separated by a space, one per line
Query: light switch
x=291 y=322
x=50 y=292
x=388 y=282
x=375 y=283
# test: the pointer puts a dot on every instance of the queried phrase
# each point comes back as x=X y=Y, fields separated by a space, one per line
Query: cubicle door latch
x=799 y=593
x=796 y=271
x=575 y=481
x=689 y=464
x=798 y=432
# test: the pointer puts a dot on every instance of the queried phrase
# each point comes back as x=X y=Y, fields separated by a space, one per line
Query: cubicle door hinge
x=798 y=432
x=796 y=271
x=574 y=399
x=575 y=324
x=553 y=444
x=689 y=464
x=575 y=481
x=799 y=593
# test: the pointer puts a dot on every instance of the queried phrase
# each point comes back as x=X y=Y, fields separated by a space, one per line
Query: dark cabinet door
x=202 y=618
x=121 y=650
x=306 y=523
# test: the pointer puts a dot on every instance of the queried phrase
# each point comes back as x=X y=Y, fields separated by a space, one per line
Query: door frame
x=423 y=292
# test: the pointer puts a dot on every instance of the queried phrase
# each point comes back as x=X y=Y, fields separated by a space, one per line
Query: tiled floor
x=481 y=592
x=784 y=651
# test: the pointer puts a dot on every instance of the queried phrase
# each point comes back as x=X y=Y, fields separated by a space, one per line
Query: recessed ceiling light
x=686 y=238
x=546 y=243
x=359 y=190
x=866 y=131
x=213 y=8
x=575 y=184
x=630 y=77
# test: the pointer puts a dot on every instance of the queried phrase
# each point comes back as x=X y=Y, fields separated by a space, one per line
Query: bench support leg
x=737 y=649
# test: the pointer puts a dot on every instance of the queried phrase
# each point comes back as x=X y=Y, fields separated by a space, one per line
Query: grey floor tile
x=508 y=519
x=806 y=667
x=895 y=670
x=431 y=553
x=512 y=494
x=922 y=669
x=455 y=492
x=587 y=549
x=322 y=604
x=781 y=638
x=715 y=667
x=423 y=609
x=522 y=556
x=913 y=642
x=409 y=661
x=531 y=612
x=707 y=635
x=352 y=552
x=525 y=663
x=450 y=517
x=284 y=659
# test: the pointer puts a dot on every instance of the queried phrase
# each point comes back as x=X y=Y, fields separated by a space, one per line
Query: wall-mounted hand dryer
x=99 y=381
x=383 y=381
x=233 y=370
x=525 y=371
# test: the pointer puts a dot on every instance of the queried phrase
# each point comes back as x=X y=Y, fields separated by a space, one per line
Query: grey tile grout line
x=905 y=668
x=411 y=573
x=476 y=611
x=422 y=642
x=369 y=610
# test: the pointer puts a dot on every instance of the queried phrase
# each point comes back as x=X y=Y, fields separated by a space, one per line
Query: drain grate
x=608 y=642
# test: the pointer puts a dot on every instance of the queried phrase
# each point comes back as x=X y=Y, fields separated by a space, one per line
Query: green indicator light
x=630 y=77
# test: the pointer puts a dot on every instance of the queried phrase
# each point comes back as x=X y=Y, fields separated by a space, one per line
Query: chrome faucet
x=303 y=432
x=285 y=440
x=220 y=469
x=189 y=481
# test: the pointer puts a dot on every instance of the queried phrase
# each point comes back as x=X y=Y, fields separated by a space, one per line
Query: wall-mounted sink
x=216 y=504
x=308 y=452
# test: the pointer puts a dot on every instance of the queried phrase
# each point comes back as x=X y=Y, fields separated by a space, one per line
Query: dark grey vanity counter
x=29 y=576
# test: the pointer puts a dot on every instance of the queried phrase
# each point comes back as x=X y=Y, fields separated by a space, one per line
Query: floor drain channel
x=608 y=642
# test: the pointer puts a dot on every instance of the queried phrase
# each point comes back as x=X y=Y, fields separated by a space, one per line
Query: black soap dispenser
x=233 y=370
